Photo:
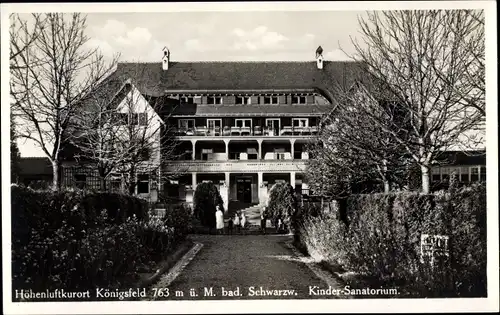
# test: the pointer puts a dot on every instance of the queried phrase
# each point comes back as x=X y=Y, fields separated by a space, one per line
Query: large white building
x=241 y=125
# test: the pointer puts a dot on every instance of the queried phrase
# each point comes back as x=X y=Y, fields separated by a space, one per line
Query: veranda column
x=224 y=191
x=193 y=181
x=193 y=154
x=190 y=192
x=260 y=149
x=262 y=189
x=292 y=179
x=292 y=148
x=226 y=142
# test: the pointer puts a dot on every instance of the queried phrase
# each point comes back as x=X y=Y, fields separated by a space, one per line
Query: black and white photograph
x=263 y=156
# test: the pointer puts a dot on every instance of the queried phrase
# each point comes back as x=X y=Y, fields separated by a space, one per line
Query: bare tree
x=49 y=76
x=15 y=155
x=126 y=132
x=418 y=59
x=468 y=30
x=357 y=151
x=24 y=36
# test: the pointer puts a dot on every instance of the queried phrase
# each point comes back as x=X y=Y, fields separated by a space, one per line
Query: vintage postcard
x=249 y=157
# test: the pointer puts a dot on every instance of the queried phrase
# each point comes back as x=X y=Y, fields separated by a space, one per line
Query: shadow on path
x=249 y=265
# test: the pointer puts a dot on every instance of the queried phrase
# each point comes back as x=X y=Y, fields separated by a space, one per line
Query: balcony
x=240 y=166
x=257 y=131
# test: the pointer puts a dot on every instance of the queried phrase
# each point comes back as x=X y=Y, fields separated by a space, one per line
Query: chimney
x=166 y=58
x=319 y=57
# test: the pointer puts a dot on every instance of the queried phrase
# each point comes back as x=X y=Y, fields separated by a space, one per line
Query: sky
x=224 y=36
x=220 y=36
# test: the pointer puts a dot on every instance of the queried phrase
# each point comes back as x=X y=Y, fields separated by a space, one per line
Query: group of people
x=239 y=222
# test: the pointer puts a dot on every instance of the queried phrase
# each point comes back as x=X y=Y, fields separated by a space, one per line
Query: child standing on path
x=263 y=220
x=243 y=222
x=237 y=222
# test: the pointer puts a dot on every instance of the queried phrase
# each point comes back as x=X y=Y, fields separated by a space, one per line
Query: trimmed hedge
x=181 y=219
x=79 y=240
x=378 y=235
x=282 y=204
x=206 y=198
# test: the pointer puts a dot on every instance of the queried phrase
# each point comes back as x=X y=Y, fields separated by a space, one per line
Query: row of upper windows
x=135 y=119
x=247 y=100
x=462 y=173
x=83 y=181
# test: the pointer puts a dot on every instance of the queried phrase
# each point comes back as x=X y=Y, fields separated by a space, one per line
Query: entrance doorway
x=244 y=189
x=273 y=126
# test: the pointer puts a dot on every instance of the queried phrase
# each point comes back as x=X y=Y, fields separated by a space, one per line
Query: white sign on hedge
x=434 y=247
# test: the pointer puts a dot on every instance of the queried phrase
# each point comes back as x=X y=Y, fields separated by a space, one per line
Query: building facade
x=245 y=125
x=242 y=125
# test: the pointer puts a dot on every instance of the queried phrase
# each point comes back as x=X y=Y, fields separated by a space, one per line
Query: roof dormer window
x=242 y=100
x=187 y=100
x=214 y=100
x=271 y=99
x=299 y=99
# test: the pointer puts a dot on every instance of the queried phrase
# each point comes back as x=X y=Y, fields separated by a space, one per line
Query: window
x=186 y=123
x=143 y=119
x=300 y=122
x=187 y=99
x=122 y=118
x=271 y=99
x=214 y=100
x=464 y=174
x=115 y=183
x=243 y=123
x=455 y=171
x=445 y=173
x=240 y=100
x=474 y=173
x=133 y=119
x=299 y=99
x=273 y=126
x=436 y=175
x=80 y=181
x=144 y=154
x=143 y=184
x=212 y=123
x=483 y=173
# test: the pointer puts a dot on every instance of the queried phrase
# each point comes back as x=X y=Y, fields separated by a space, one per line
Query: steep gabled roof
x=154 y=83
x=151 y=79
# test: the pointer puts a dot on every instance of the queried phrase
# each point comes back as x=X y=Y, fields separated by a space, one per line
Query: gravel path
x=245 y=267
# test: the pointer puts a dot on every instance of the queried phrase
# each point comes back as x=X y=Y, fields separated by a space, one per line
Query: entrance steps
x=253 y=217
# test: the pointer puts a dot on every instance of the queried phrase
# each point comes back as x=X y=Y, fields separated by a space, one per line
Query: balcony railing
x=245 y=166
x=258 y=131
